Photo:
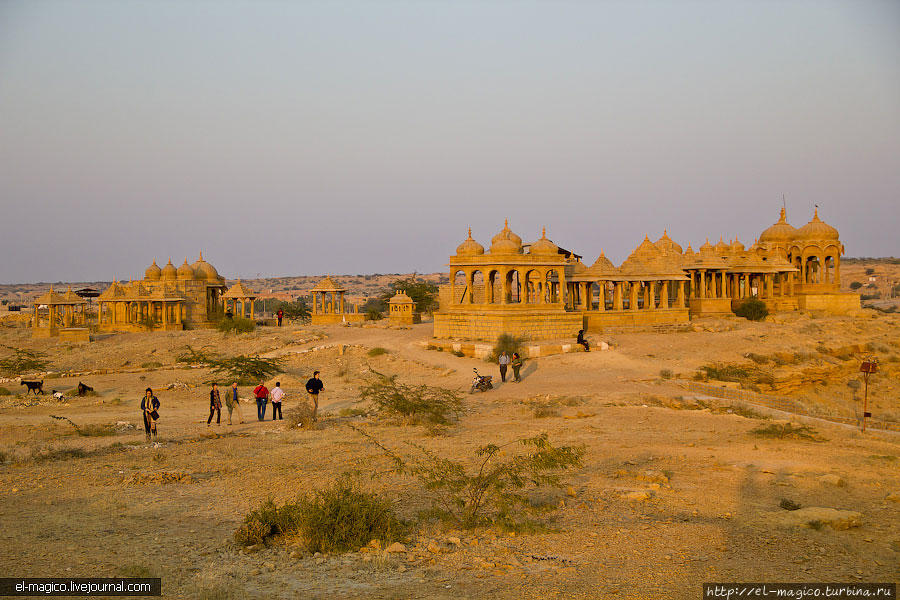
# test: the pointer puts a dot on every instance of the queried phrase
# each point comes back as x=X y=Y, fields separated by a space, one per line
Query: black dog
x=84 y=389
x=34 y=386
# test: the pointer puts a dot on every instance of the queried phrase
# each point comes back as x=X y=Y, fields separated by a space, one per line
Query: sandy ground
x=707 y=519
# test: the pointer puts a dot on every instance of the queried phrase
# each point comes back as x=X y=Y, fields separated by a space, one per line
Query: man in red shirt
x=262 y=398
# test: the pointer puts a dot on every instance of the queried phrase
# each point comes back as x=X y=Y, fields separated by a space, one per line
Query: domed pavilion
x=167 y=298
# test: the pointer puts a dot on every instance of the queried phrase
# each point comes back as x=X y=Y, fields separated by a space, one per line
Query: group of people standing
x=515 y=361
x=150 y=403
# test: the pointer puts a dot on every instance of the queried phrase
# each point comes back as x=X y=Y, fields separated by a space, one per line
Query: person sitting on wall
x=582 y=341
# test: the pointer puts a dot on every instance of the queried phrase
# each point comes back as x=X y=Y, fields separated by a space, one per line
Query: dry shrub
x=752 y=309
x=666 y=373
x=338 y=518
x=302 y=415
x=236 y=325
x=783 y=431
x=377 y=351
x=5 y=392
x=415 y=403
x=492 y=488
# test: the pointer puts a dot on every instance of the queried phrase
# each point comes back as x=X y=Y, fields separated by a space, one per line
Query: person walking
x=277 y=394
x=215 y=405
x=150 y=410
x=313 y=387
x=504 y=361
x=280 y=316
x=582 y=341
x=233 y=403
x=262 y=398
x=516 y=366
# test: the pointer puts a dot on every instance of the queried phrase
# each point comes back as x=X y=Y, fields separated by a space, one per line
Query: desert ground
x=675 y=490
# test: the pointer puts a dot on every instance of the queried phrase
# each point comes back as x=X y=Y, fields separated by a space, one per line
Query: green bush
x=783 y=431
x=506 y=342
x=339 y=518
x=417 y=403
x=151 y=365
x=5 y=392
x=236 y=325
x=373 y=314
x=855 y=285
x=377 y=351
x=752 y=309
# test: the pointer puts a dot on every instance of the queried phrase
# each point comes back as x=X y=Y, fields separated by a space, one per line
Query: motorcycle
x=481 y=383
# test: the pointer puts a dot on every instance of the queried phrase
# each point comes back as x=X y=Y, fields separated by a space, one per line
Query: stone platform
x=708 y=307
x=487 y=324
x=599 y=321
x=483 y=350
x=836 y=303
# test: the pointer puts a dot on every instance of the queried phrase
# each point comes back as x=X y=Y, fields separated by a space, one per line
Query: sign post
x=868 y=366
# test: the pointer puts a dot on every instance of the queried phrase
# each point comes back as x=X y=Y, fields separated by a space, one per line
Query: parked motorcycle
x=481 y=383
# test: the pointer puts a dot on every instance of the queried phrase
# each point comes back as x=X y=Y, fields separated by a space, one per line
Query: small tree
x=434 y=405
x=855 y=285
x=495 y=488
x=423 y=293
x=297 y=310
x=244 y=369
x=752 y=309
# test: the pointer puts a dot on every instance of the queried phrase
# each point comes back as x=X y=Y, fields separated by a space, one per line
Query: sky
x=302 y=138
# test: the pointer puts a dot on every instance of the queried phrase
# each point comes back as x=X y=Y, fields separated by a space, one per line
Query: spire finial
x=470 y=233
x=201 y=255
x=544 y=232
x=816 y=212
x=505 y=223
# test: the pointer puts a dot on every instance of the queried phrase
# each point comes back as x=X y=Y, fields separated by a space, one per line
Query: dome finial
x=544 y=232
x=201 y=255
x=506 y=223
x=816 y=212
x=470 y=233
x=783 y=215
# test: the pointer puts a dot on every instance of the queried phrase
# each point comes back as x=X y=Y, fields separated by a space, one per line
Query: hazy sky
x=288 y=138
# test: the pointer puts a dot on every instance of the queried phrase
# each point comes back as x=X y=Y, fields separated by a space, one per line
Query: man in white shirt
x=504 y=361
x=276 y=395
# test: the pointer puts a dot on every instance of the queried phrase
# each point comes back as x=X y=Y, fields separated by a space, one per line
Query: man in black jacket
x=313 y=387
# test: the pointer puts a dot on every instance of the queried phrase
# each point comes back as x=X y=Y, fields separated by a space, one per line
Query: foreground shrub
x=377 y=351
x=417 y=403
x=236 y=325
x=752 y=309
x=90 y=430
x=5 y=392
x=303 y=415
x=339 y=518
x=493 y=489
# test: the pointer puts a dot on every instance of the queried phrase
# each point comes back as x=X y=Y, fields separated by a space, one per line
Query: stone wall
x=488 y=324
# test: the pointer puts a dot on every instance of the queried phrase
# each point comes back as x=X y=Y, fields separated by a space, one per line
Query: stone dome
x=185 y=271
x=722 y=247
x=506 y=242
x=707 y=249
x=782 y=231
x=544 y=246
x=817 y=229
x=666 y=244
x=169 y=272
x=153 y=272
x=736 y=246
x=469 y=247
x=206 y=271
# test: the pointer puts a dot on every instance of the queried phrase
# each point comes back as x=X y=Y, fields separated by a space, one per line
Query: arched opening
x=478 y=291
x=493 y=289
x=532 y=287
x=458 y=287
x=552 y=294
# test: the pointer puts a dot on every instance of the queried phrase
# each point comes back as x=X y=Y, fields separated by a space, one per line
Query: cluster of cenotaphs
x=543 y=291
x=533 y=291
